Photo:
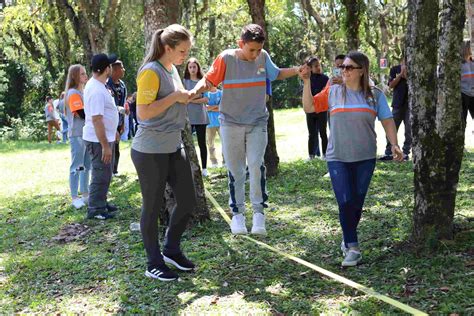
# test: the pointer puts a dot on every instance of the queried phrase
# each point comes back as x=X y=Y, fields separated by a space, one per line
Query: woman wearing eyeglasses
x=353 y=106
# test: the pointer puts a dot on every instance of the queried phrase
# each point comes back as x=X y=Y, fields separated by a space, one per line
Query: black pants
x=401 y=114
x=201 y=138
x=317 y=124
x=154 y=171
x=101 y=176
x=116 y=151
x=467 y=106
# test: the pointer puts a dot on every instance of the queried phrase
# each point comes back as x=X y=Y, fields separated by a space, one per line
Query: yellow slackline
x=314 y=267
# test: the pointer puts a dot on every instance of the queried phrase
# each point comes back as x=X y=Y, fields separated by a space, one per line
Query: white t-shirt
x=99 y=101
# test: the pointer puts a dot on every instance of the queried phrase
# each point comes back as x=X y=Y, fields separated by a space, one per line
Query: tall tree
x=92 y=24
x=435 y=102
x=159 y=14
x=354 y=12
x=257 y=12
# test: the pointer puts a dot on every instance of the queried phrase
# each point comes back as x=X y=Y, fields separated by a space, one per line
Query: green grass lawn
x=102 y=271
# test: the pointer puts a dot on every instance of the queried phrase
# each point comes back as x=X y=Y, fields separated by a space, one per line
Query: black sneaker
x=406 y=157
x=111 y=208
x=179 y=261
x=99 y=214
x=162 y=273
x=386 y=158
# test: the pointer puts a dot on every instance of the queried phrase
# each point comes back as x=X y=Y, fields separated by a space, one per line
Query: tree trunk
x=157 y=15
x=257 y=11
x=354 y=10
x=436 y=115
x=92 y=29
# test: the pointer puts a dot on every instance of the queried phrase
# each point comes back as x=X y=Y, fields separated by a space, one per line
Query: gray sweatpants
x=101 y=176
x=244 y=145
x=154 y=170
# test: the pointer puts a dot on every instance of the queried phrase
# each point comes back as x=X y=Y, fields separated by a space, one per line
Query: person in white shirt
x=100 y=134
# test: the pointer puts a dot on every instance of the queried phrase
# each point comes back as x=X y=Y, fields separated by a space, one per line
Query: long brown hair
x=363 y=61
x=172 y=35
x=74 y=77
x=199 y=74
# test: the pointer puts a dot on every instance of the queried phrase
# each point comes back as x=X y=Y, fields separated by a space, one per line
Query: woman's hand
x=397 y=154
x=304 y=72
x=183 y=96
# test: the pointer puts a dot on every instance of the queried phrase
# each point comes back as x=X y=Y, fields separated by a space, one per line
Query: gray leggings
x=154 y=171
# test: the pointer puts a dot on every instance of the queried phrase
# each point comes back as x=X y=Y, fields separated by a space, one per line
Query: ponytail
x=172 y=36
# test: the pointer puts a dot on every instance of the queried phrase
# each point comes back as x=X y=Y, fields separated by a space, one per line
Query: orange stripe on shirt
x=244 y=85
x=468 y=76
x=354 y=110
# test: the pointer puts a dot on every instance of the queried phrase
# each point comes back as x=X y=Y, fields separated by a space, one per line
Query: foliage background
x=37 y=44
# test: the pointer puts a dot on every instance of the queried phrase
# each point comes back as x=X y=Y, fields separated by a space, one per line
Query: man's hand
x=117 y=137
x=336 y=80
x=106 y=154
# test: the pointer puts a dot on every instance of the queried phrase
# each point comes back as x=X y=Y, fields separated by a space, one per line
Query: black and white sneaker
x=179 y=261
x=162 y=273
x=99 y=214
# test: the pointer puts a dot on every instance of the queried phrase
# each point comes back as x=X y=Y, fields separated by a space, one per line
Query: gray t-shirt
x=244 y=87
x=74 y=99
x=49 y=112
x=197 y=112
x=352 y=130
x=160 y=134
x=467 y=78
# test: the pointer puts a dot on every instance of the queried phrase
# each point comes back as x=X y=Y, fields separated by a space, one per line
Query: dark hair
x=340 y=56
x=363 y=61
x=252 y=33
x=187 y=75
x=48 y=98
x=172 y=35
x=311 y=60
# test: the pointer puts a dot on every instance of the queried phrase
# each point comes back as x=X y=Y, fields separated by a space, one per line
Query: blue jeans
x=80 y=166
x=64 y=126
x=350 y=182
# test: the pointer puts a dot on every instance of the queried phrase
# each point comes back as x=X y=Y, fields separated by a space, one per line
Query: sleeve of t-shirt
x=148 y=85
x=392 y=75
x=272 y=70
x=383 y=111
x=321 y=100
x=96 y=104
x=216 y=73
x=75 y=102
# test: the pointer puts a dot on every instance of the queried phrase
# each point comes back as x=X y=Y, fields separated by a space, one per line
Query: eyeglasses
x=349 y=68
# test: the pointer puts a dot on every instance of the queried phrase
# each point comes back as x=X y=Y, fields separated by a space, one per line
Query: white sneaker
x=214 y=165
x=78 y=203
x=85 y=199
x=258 y=226
x=204 y=173
x=327 y=175
x=237 y=225
x=59 y=134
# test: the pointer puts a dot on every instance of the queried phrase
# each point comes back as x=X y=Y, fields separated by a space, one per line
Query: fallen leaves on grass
x=71 y=232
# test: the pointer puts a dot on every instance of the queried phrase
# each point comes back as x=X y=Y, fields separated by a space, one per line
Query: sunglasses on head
x=349 y=67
